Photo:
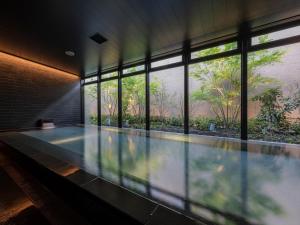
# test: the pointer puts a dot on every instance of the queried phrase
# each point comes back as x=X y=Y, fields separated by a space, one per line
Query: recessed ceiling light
x=70 y=53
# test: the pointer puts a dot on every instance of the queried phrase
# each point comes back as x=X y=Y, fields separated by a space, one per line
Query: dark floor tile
x=9 y=192
x=28 y=216
x=49 y=162
x=127 y=202
x=165 y=216
x=12 y=198
x=80 y=177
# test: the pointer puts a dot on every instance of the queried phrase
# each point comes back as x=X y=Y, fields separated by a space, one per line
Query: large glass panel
x=166 y=99
x=109 y=75
x=274 y=36
x=90 y=79
x=90 y=104
x=134 y=69
x=109 y=103
x=214 y=50
x=274 y=94
x=214 y=90
x=133 y=101
x=167 y=61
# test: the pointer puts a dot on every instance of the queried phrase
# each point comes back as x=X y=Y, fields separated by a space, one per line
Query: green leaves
x=275 y=108
x=133 y=95
x=91 y=90
x=220 y=79
x=220 y=86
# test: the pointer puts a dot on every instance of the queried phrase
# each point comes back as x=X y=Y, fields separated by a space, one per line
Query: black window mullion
x=99 y=98
x=186 y=57
x=120 y=72
x=147 y=91
x=82 y=104
x=244 y=43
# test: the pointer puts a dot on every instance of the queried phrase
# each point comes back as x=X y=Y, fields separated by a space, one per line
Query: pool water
x=225 y=181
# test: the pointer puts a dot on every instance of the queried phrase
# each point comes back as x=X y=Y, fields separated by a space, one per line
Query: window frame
x=244 y=46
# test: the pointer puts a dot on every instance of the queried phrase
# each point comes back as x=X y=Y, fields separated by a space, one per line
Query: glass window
x=274 y=94
x=109 y=103
x=109 y=75
x=214 y=50
x=214 y=90
x=166 y=99
x=90 y=104
x=133 y=101
x=274 y=36
x=90 y=79
x=134 y=69
x=167 y=61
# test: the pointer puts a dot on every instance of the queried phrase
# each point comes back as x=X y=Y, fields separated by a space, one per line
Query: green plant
x=166 y=121
x=254 y=126
x=296 y=127
x=133 y=95
x=275 y=109
x=106 y=118
x=220 y=83
x=94 y=119
x=109 y=98
x=202 y=123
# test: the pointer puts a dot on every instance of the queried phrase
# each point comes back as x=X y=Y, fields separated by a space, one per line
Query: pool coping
x=136 y=206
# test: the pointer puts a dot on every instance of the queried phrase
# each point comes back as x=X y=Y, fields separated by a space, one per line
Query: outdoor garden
x=214 y=96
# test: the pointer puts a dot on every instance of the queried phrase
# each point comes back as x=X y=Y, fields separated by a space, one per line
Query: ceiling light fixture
x=70 y=53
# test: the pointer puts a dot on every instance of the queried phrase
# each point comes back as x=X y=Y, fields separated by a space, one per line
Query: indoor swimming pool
x=225 y=181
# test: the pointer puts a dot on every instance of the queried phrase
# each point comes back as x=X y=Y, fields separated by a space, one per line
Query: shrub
x=157 y=121
x=202 y=123
x=255 y=125
x=113 y=120
x=134 y=121
x=94 y=119
x=275 y=108
x=174 y=121
x=295 y=127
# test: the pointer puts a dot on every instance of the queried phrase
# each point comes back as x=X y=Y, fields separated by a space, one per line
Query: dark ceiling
x=43 y=30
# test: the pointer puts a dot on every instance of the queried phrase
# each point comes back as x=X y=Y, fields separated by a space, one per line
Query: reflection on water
x=220 y=180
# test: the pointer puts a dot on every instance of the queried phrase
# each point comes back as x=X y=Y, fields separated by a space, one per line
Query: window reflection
x=91 y=150
x=218 y=182
x=224 y=181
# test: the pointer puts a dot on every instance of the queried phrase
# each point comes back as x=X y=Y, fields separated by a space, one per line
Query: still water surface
x=222 y=180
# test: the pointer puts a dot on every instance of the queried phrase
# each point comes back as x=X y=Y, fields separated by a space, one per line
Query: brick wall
x=29 y=92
